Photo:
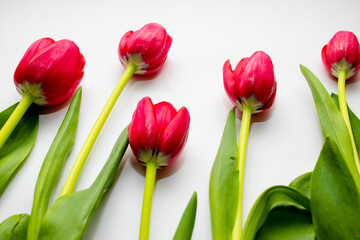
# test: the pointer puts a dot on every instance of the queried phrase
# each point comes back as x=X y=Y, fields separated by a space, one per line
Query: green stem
x=344 y=112
x=94 y=133
x=15 y=117
x=240 y=166
x=150 y=177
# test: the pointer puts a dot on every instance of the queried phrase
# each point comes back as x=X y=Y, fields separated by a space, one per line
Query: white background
x=283 y=143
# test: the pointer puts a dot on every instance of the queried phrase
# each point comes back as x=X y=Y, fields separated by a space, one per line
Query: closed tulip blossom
x=141 y=52
x=48 y=74
x=252 y=83
x=50 y=71
x=251 y=86
x=342 y=54
x=157 y=135
x=146 y=48
x=341 y=58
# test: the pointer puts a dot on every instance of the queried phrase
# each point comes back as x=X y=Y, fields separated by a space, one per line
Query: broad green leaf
x=53 y=164
x=68 y=217
x=335 y=199
x=277 y=196
x=14 y=227
x=186 y=225
x=287 y=223
x=18 y=145
x=224 y=183
x=302 y=184
x=332 y=123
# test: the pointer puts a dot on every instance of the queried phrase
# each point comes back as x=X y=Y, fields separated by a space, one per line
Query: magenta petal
x=122 y=50
x=270 y=102
x=28 y=56
x=164 y=112
x=56 y=68
x=149 y=41
x=143 y=128
x=229 y=81
x=325 y=60
x=175 y=135
x=265 y=79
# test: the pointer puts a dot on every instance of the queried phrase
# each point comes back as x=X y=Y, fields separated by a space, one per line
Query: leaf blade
x=185 y=228
x=276 y=196
x=68 y=217
x=19 y=145
x=332 y=123
x=335 y=199
x=53 y=164
x=224 y=183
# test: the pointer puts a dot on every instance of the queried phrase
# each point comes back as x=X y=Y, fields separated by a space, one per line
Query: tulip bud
x=158 y=132
x=147 y=48
x=342 y=53
x=51 y=71
x=252 y=83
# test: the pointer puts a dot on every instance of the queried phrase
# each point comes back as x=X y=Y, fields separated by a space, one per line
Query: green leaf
x=224 y=183
x=287 y=223
x=53 y=164
x=332 y=123
x=19 y=144
x=335 y=199
x=14 y=227
x=68 y=217
x=277 y=196
x=186 y=225
x=302 y=184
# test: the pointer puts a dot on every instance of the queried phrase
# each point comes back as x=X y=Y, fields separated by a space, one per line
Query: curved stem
x=151 y=168
x=94 y=133
x=15 y=117
x=240 y=166
x=344 y=112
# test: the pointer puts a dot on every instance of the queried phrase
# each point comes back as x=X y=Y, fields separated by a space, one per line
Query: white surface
x=205 y=35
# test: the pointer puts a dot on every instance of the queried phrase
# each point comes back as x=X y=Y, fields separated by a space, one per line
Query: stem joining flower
x=157 y=135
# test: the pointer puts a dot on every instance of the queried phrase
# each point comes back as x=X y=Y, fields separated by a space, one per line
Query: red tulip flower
x=48 y=74
x=147 y=48
x=157 y=134
x=252 y=83
x=252 y=88
x=342 y=53
x=51 y=71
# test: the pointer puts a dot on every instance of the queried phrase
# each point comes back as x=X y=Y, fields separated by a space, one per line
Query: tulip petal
x=325 y=60
x=55 y=68
x=143 y=129
x=175 y=135
x=344 y=45
x=122 y=50
x=149 y=41
x=34 y=48
x=229 y=81
x=265 y=83
x=269 y=103
x=164 y=112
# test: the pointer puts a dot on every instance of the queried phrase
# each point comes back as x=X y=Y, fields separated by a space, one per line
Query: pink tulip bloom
x=147 y=48
x=342 y=53
x=51 y=71
x=252 y=83
x=158 y=132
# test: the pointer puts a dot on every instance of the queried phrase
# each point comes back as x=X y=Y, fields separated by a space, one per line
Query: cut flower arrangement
x=323 y=204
